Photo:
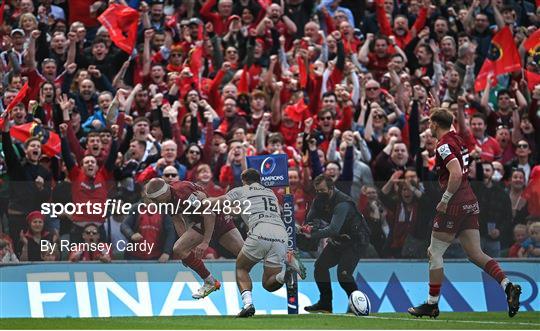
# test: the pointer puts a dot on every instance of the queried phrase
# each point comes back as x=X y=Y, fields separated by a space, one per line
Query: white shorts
x=266 y=242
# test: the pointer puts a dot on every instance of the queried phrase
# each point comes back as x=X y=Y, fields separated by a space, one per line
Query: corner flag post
x=290 y=226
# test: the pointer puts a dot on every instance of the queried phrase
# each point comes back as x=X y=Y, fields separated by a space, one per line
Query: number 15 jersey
x=259 y=204
x=450 y=147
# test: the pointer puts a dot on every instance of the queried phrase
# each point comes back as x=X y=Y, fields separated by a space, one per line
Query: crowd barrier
x=155 y=289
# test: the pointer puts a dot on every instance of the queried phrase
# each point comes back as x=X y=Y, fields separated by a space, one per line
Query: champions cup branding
x=273 y=169
x=288 y=219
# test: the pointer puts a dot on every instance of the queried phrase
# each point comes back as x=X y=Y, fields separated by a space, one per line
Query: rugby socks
x=493 y=269
x=210 y=279
x=246 y=298
x=197 y=265
x=434 y=294
x=280 y=277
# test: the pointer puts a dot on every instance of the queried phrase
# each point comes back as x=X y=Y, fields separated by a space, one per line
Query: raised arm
x=498 y=16
x=148 y=34
x=382 y=20
x=364 y=50
x=30 y=58
x=66 y=153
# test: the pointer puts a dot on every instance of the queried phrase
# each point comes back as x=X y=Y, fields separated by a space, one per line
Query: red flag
x=19 y=97
x=302 y=72
x=2 y=6
x=196 y=63
x=200 y=32
x=243 y=83
x=532 y=43
x=503 y=57
x=297 y=111
x=533 y=79
x=121 y=22
x=265 y=3
x=50 y=141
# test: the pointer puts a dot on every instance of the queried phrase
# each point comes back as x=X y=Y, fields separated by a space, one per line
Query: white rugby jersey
x=259 y=204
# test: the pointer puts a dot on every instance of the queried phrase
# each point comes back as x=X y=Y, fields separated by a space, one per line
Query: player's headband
x=157 y=193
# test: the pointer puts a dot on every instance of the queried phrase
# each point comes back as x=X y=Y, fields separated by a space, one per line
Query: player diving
x=266 y=241
x=195 y=226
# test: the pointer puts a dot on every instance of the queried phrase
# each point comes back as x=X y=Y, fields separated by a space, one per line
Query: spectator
x=168 y=158
x=30 y=181
x=229 y=176
x=491 y=150
x=373 y=210
x=523 y=159
x=89 y=250
x=530 y=247
x=6 y=253
x=394 y=156
x=496 y=212
x=90 y=183
x=520 y=234
x=154 y=229
x=516 y=189
x=204 y=177
x=31 y=239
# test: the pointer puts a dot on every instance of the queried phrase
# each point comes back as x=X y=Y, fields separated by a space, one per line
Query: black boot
x=319 y=308
x=512 y=297
x=425 y=309
x=247 y=311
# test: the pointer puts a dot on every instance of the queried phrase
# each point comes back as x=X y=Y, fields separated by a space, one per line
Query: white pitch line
x=442 y=321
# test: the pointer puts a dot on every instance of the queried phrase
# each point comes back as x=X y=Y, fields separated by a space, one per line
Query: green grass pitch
x=491 y=321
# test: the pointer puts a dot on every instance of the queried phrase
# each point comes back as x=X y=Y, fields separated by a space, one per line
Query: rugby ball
x=359 y=303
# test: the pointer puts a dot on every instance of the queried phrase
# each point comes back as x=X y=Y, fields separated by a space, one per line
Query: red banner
x=50 y=141
x=19 y=97
x=121 y=22
x=503 y=57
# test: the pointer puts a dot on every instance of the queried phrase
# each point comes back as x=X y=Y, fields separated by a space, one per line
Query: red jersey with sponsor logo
x=94 y=190
x=451 y=146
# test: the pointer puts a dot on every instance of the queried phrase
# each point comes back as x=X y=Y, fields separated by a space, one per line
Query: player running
x=267 y=239
x=457 y=215
x=196 y=226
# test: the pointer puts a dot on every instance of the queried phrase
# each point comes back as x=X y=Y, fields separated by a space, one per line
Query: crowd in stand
x=344 y=88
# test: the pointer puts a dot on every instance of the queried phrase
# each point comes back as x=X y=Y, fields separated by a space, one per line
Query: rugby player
x=195 y=226
x=457 y=215
x=266 y=241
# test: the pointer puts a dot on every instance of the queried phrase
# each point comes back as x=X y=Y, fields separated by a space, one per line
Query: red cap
x=33 y=215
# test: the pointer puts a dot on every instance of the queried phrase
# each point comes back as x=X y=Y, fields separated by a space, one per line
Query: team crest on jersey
x=444 y=151
x=449 y=224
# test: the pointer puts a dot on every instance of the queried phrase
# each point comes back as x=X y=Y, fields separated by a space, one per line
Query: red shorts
x=458 y=218
x=224 y=224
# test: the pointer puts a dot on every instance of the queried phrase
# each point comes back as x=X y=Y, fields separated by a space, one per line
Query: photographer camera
x=348 y=235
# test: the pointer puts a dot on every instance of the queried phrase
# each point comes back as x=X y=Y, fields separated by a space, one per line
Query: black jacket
x=23 y=193
x=343 y=217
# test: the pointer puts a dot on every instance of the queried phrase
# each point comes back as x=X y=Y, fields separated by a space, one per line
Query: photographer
x=348 y=235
